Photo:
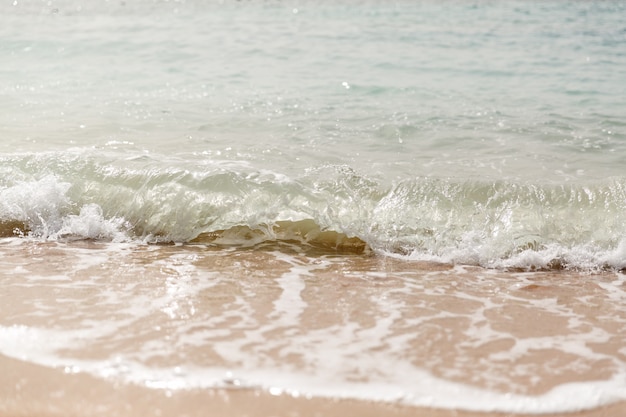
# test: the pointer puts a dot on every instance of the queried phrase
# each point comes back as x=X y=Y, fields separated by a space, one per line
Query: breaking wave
x=496 y=224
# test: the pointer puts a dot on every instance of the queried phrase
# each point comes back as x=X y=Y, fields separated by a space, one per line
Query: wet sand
x=30 y=390
x=68 y=309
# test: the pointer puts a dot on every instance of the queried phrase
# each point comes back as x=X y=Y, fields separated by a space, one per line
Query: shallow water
x=272 y=318
x=487 y=134
x=387 y=201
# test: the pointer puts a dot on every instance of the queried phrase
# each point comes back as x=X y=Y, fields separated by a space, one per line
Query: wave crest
x=495 y=224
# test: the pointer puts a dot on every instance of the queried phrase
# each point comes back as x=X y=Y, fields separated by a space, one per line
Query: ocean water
x=475 y=134
x=480 y=133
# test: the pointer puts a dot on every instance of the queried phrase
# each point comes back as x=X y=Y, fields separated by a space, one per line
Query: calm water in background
x=490 y=134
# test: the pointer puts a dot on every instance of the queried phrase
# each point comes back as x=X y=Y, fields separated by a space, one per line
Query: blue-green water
x=301 y=155
x=489 y=133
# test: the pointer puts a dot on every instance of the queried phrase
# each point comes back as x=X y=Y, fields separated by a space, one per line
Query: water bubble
x=71 y=369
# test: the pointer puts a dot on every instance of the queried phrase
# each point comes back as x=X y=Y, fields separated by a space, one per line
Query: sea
x=414 y=202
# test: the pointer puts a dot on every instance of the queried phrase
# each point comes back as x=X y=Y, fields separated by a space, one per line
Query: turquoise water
x=477 y=133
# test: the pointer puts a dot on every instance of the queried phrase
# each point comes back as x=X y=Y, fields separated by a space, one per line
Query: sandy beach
x=312 y=208
x=99 y=329
x=27 y=390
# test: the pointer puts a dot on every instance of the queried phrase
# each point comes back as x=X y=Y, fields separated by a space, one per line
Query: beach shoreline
x=109 y=329
x=325 y=208
x=28 y=390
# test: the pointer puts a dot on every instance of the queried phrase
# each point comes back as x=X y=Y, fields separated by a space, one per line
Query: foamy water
x=177 y=318
x=338 y=199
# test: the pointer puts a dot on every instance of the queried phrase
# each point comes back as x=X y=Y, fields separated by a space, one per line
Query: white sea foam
x=178 y=207
x=402 y=383
x=40 y=204
x=91 y=224
x=253 y=138
x=159 y=297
